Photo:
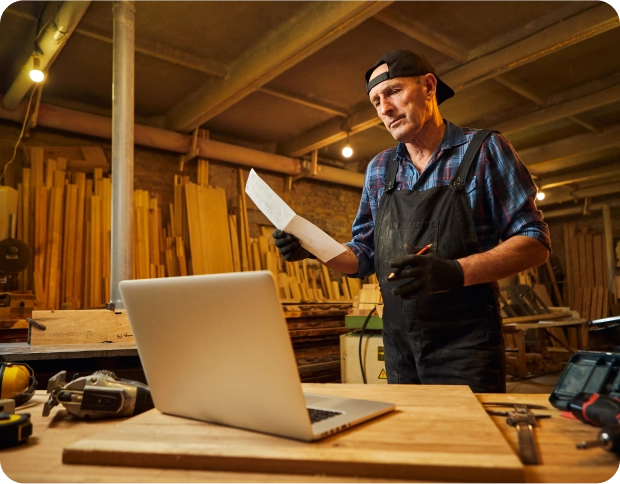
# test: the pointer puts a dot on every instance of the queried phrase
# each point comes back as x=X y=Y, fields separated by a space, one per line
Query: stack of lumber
x=64 y=214
x=315 y=330
x=586 y=290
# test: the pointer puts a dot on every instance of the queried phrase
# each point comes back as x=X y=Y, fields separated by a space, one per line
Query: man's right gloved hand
x=290 y=247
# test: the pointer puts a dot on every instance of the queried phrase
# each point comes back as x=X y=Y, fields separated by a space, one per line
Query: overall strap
x=468 y=158
x=392 y=169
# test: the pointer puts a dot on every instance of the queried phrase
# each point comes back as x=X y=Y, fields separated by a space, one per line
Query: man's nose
x=385 y=106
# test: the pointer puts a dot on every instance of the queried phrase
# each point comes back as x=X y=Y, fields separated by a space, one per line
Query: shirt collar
x=453 y=136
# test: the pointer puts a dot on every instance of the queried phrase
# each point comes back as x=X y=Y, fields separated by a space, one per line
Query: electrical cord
x=22 y=132
x=360 y=343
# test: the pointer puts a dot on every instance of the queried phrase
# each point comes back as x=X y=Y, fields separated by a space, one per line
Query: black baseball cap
x=406 y=63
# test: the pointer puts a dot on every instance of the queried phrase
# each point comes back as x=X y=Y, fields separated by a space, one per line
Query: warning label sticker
x=380 y=355
x=382 y=375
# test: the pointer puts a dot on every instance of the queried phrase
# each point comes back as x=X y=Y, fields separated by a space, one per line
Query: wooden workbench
x=40 y=460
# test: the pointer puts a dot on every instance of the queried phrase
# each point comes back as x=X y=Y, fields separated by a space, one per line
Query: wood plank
x=193 y=222
x=598 y=313
x=246 y=258
x=68 y=258
x=597 y=255
x=589 y=260
x=215 y=241
x=581 y=247
x=569 y=232
x=534 y=317
x=586 y=302
x=55 y=253
x=234 y=242
x=96 y=253
x=476 y=450
x=81 y=326
x=78 y=274
x=554 y=283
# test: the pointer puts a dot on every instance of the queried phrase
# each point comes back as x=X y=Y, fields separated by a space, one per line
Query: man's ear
x=429 y=81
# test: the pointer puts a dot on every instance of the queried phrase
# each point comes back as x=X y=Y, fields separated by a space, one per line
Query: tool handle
x=601 y=410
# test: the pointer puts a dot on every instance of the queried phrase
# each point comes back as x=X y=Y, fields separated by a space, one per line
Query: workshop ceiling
x=287 y=77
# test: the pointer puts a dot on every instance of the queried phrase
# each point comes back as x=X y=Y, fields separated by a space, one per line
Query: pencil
x=423 y=250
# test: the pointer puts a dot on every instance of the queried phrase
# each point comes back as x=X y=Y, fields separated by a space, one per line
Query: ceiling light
x=347 y=151
x=540 y=195
x=36 y=74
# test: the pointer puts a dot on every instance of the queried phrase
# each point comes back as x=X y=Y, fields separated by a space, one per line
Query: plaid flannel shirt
x=501 y=192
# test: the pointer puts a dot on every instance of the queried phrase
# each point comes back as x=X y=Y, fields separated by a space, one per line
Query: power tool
x=97 y=396
x=600 y=411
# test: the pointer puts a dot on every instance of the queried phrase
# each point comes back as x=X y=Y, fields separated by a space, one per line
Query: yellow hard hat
x=17 y=382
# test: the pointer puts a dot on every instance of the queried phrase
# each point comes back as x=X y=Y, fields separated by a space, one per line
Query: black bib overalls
x=452 y=337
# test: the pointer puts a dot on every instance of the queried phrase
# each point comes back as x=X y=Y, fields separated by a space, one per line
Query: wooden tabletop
x=40 y=459
x=25 y=352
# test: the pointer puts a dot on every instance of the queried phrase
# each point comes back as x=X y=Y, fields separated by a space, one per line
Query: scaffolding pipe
x=121 y=259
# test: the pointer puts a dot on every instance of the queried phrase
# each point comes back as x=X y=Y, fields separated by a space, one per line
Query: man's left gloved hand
x=430 y=273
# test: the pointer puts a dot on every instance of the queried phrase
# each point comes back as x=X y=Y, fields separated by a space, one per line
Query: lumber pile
x=586 y=290
x=64 y=214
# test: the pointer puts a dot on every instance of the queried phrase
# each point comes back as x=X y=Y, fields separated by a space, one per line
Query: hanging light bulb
x=540 y=195
x=36 y=74
x=347 y=151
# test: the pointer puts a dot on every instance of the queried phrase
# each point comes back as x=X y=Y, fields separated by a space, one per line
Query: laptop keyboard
x=317 y=415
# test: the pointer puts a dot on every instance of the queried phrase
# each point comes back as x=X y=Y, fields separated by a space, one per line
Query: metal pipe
x=577 y=210
x=100 y=126
x=50 y=43
x=122 y=147
x=609 y=246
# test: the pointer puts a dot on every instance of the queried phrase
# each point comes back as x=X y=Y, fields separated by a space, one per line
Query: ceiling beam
x=518 y=86
x=314 y=27
x=568 y=152
x=602 y=172
x=561 y=110
x=540 y=23
x=60 y=23
x=152 y=49
x=166 y=53
x=329 y=132
x=527 y=48
x=578 y=28
x=424 y=34
x=597 y=191
x=305 y=102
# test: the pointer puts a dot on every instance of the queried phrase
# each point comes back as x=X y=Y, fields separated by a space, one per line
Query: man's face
x=403 y=103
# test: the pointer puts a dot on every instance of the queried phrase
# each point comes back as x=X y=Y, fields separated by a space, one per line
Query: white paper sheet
x=284 y=218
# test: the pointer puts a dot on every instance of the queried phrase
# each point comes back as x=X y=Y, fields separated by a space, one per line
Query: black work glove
x=290 y=247
x=431 y=273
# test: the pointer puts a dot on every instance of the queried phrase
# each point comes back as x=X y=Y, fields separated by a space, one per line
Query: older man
x=461 y=190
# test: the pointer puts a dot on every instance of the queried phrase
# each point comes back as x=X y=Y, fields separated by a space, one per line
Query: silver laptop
x=216 y=348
